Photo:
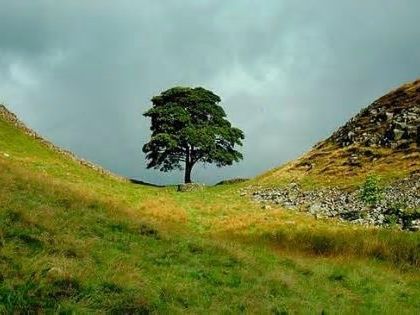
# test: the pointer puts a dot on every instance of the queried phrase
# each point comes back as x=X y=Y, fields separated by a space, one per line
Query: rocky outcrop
x=391 y=121
x=383 y=136
x=8 y=116
x=399 y=205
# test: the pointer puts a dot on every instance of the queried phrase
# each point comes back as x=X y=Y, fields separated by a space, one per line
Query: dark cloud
x=289 y=73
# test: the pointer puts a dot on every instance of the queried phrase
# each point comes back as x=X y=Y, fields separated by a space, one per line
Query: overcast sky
x=289 y=72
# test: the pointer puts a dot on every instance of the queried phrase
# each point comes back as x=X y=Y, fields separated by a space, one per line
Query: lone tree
x=189 y=126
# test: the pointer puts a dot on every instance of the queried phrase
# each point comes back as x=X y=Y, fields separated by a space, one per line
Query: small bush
x=370 y=191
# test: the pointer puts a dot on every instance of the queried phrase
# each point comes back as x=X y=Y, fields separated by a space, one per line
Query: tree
x=188 y=126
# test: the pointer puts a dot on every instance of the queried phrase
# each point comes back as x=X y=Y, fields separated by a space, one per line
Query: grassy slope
x=331 y=167
x=330 y=162
x=73 y=240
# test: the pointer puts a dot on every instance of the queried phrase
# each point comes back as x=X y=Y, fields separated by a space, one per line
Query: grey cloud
x=289 y=73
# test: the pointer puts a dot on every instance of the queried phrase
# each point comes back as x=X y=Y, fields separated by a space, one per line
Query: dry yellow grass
x=329 y=167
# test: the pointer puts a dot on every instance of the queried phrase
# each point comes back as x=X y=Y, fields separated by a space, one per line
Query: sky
x=289 y=72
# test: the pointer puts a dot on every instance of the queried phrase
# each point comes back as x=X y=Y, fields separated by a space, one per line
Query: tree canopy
x=188 y=126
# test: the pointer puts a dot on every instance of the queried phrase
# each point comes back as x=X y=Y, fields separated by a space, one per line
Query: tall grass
x=400 y=248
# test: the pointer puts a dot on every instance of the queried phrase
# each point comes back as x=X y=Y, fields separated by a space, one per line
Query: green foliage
x=188 y=126
x=370 y=191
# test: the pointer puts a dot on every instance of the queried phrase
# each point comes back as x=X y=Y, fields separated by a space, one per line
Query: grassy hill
x=383 y=139
x=74 y=238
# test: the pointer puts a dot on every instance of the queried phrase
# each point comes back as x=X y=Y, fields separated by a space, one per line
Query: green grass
x=72 y=240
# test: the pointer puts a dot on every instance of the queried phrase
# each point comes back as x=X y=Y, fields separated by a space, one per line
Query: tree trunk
x=188 y=165
x=188 y=168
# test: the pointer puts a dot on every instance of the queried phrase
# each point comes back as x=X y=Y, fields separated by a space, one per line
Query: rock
x=353 y=160
x=401 y=125
x=389 y=116
x=414 y=225
x=6 y=155
x=190 y=187
x=315 y=208
x=347 y=206
x=414 y=228
x=398 y=134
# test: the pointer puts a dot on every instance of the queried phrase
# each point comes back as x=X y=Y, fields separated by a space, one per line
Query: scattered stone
x=190 y=187
x=315 y=208
x=415 y=225
x=347 y=206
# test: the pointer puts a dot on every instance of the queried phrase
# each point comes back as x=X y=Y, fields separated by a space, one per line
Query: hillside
x=384 y=138
x=76 y=239
x=378 y=149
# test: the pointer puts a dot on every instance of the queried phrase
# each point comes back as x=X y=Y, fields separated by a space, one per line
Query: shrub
x=370 y=191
